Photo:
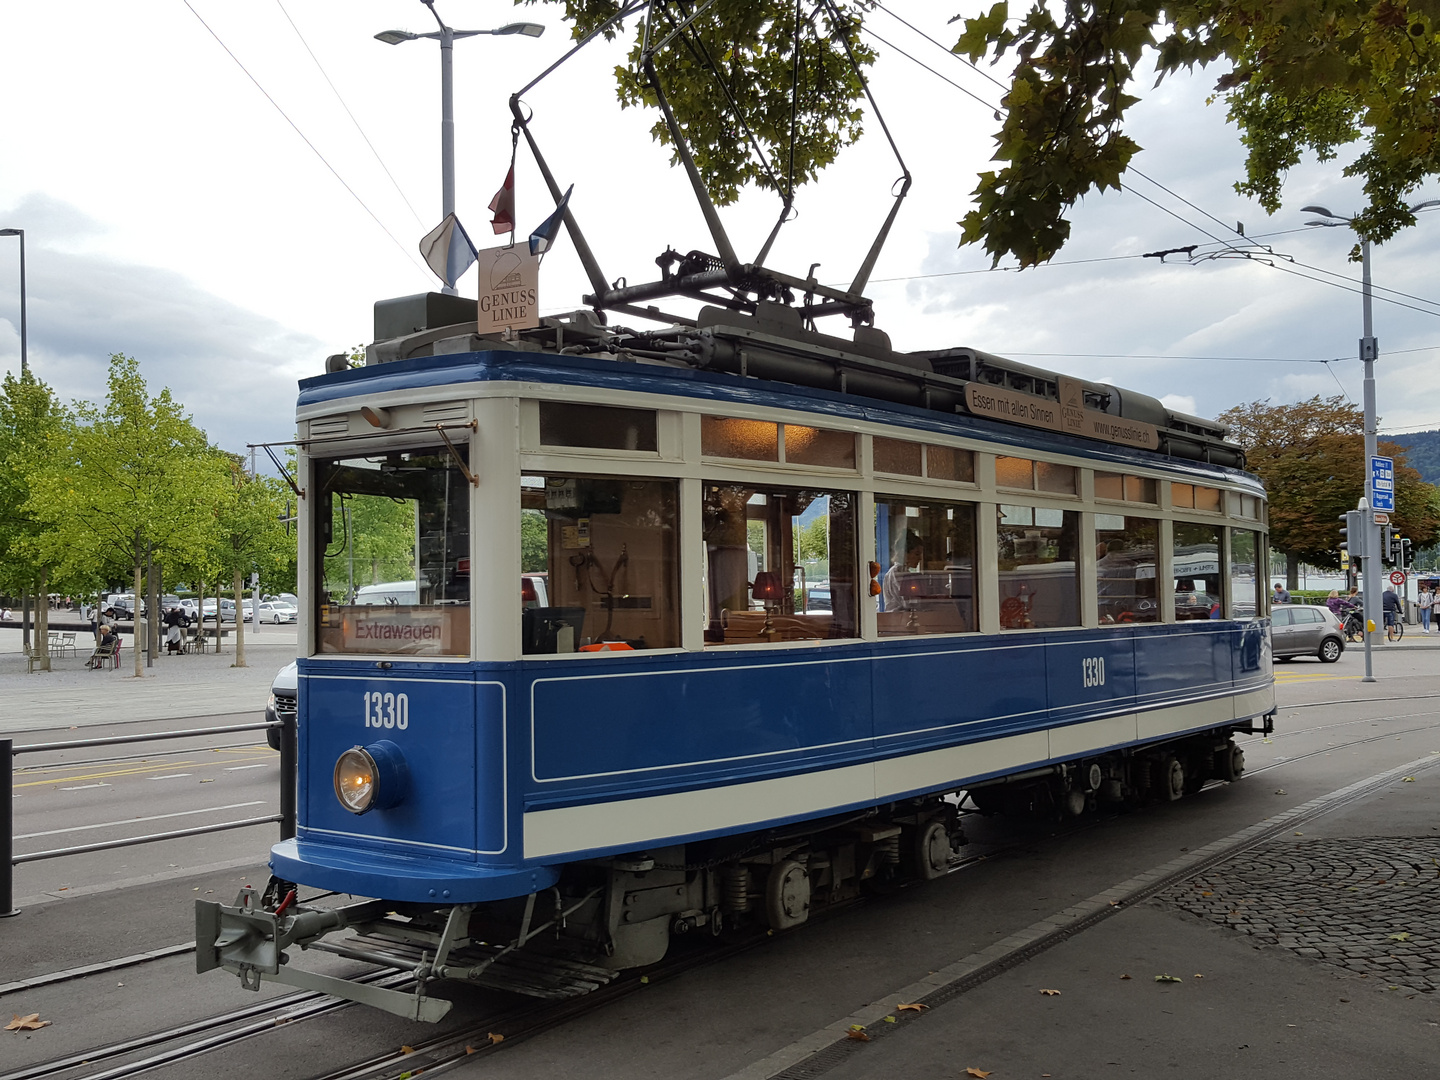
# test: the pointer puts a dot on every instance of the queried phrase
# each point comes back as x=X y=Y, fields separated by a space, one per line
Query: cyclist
x=1391 y=605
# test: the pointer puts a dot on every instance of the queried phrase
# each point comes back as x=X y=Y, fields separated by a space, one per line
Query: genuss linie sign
x=1068 y=415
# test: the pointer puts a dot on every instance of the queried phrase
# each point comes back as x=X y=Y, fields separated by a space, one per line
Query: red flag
x=503 y=205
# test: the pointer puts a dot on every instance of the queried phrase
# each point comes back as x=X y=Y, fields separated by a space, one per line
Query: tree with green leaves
x=1295 y=76
x=34 y=429
x=136 y=484
x=249 y=536
x=1311 y=456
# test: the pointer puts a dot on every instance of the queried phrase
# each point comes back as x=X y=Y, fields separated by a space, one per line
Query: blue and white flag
x=544 y=236
x=447 y=250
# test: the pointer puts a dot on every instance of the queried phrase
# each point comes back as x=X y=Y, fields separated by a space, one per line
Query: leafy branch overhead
x=1295 y=76
x=744 y=51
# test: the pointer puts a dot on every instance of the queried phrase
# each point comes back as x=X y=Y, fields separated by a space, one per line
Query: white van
x=392 y=593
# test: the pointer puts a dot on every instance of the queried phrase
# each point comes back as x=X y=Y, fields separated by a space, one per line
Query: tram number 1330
x=386 y=710
x=1092 y=671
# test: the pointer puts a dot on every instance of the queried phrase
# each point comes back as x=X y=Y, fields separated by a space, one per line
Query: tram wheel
x=932 y=851
x=787 y=895
x=1230 y=763
x=1172 y=778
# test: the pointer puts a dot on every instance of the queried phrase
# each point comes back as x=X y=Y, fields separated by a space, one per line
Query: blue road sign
x=1382 y=484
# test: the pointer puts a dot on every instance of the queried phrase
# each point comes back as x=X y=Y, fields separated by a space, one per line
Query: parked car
x=284 y=701
x=1306 y=630
x=275 y=612
x=227 y=610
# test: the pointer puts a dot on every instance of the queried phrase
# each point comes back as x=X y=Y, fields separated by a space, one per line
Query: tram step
x=520 y=972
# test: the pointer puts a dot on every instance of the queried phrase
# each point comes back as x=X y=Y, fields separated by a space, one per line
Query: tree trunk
x=239 y=623
x=42 y=622
x=1292 y=571
x=135 y=639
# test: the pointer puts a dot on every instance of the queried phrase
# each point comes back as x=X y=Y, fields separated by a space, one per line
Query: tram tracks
x=446 y=1050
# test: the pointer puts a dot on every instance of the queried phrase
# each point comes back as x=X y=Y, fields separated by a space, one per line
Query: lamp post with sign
x=1369 y=350
x=447 y=36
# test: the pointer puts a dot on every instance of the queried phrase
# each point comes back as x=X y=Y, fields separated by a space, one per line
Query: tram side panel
x=629 y=751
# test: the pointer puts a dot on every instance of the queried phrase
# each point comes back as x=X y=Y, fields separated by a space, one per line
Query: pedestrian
x=175 y=622
x=1425 y=602
x=1337 y=605
x=1281 y=596
x=5 y=615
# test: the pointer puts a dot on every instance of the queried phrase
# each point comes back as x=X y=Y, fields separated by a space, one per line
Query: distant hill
x=1422 y=451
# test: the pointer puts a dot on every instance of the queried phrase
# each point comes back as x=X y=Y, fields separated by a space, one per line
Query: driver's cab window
x=393 y=551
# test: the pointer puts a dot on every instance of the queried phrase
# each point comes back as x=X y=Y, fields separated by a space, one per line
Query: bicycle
x=1354 y=628
x=1394 y=628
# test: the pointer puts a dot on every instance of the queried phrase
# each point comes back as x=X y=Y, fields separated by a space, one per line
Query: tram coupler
x=247 y=939
x=250 y=941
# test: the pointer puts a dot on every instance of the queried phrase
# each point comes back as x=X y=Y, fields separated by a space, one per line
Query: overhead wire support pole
x=862 y=277
x=724 y=248
x=598 y=281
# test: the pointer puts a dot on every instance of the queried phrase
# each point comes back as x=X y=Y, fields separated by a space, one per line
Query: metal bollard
x=289 y=773
x=7 y=829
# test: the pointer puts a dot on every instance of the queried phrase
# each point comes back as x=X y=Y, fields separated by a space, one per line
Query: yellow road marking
x=132 y=771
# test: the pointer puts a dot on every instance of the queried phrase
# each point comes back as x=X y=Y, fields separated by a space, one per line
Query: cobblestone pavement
x=1368 y=905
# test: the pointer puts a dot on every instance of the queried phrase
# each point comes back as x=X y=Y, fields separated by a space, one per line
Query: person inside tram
x=909 y=554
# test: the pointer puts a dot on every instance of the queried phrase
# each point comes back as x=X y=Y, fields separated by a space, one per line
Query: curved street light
x=447 y=36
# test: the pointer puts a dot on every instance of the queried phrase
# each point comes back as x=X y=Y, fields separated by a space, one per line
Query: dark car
x=1304 y=630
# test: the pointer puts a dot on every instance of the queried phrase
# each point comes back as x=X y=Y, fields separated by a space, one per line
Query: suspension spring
x=737 y=889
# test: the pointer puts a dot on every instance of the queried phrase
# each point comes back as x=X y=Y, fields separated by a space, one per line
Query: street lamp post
x=24 y=353
x=447 y=37
x=1369 y=352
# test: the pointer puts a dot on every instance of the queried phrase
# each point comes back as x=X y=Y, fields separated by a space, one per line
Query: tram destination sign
x=509 y=289
x=1068 y=415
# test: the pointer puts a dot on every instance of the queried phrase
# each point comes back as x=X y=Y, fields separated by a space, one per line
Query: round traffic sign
x=1397 y=577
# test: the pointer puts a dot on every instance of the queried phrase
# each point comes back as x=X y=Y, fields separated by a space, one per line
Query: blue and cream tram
x=569 y=683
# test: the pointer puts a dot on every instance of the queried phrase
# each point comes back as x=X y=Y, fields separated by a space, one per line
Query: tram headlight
x=371 y=777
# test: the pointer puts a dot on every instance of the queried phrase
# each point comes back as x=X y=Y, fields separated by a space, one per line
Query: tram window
x=780 y=564
x=564 y=423
x=1141 y=489
x=393 y=554
x=817 y=446
x=927 y=567
x=1125 y=569
x=1038 y=559
x=1109 y=485
x=1207 y=498
x=608 y=548
x=1249 y=507
x=1014 y=472
x=1057 y=478
x=949 y=463
x=897 y=457
x=1196 y=563
x=1121 y=487
x=731 y=437
x=1246 y=585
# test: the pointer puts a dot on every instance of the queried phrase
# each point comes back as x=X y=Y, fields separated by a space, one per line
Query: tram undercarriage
x=608 y=915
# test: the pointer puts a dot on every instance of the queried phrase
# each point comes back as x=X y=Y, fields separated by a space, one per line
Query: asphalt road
x=1250 y=1000
x=87 y=796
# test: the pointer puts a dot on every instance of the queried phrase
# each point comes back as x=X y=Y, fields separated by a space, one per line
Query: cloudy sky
x=230 y=226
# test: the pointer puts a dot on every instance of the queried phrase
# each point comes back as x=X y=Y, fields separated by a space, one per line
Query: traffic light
x=1387 y=544
x=1352 y=534
x=1404 y=561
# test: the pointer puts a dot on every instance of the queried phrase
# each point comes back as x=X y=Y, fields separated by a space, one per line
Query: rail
x=9 y=751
